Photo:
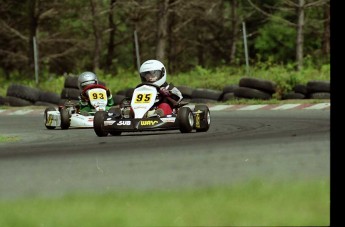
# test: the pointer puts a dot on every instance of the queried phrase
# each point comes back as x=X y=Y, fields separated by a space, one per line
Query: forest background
x=200 y=41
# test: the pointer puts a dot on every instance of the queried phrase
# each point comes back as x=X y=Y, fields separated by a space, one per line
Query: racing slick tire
x=98 y=124
x=203 y=123
x=46 y=117
x=185 y=119
x=65 y=119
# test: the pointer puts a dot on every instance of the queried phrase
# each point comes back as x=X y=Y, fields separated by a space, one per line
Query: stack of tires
x=122 y=94
x=199 y=95
x=21 y=95
x=255 y=88
x=314 y=89
x=203 y=95
x=70 y=91
x=229 y=92
x=119 y=96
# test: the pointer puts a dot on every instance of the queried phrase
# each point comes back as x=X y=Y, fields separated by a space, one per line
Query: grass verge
x=5 y=139
x=251 y=204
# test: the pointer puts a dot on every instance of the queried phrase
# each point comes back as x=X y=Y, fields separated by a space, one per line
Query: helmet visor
x=87 y=83
x=151 y=76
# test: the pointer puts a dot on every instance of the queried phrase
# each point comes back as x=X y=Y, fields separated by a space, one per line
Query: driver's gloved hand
x=163 y=91
x=84 y=97
x=108 y=92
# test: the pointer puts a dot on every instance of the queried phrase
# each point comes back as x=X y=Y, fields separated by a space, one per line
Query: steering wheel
x=91 y=86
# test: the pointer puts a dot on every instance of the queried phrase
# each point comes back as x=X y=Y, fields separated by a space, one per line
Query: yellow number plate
x=143 y=98
x=101 y=94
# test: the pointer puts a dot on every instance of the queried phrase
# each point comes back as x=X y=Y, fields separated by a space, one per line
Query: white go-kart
x=68 y=116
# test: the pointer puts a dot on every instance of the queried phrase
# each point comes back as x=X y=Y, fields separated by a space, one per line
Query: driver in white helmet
x=86 y=81
x=153 y=71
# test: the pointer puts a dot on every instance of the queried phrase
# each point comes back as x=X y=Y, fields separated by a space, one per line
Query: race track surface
x=240 y=146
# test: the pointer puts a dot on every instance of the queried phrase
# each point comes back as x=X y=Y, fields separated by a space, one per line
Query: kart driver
x=153 y=71
x=87 y=81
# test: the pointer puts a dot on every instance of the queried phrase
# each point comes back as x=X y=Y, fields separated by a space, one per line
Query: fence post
x=245 y=47
x=137 y=49
x=35 y=59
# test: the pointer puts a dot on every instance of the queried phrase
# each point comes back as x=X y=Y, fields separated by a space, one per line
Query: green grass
x=6 y=139
x=252 y=204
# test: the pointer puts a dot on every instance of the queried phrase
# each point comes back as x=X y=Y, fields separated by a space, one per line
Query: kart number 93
x=97 y=95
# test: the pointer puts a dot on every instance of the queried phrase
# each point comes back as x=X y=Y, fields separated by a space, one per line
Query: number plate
x=97 y=95
x=143 y=98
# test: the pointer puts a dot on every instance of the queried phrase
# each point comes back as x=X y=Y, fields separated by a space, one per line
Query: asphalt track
x=239 y=146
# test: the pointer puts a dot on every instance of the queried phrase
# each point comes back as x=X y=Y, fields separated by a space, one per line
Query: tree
x=163 y=17
x=285 y=9
x=112 y=29
x=97 y=32
x=74 y=36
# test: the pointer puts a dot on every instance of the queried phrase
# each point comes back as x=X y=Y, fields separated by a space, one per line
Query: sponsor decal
x=81 y=117
x=148 y=123
x=139 y=107
x=107 y=123
x=124 y=123
x=50 y=120
x=168 y=119
x=197 y=120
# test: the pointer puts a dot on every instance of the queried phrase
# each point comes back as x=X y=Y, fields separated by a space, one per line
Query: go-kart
x=69 y=116
x=138 y=114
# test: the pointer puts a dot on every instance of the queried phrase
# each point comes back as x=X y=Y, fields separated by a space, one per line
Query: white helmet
x=153 y=71
x=87 y=78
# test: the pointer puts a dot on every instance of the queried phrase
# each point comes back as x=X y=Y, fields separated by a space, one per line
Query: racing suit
x=171 y=96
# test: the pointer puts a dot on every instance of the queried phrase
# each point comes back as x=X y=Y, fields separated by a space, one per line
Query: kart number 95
x=143 y=98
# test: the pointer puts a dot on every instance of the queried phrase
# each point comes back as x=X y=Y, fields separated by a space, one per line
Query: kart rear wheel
x=98 y=123
x=203 y=123
x=65 y=119
x=185 y=119
x=46 y=117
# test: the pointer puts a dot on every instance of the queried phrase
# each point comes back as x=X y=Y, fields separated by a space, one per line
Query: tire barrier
x=248 y=88
x=314 y=89
x=23 y=92
x=255 y=88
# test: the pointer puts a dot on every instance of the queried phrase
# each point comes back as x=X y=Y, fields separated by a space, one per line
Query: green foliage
x=123 y=79
x=213 y=78
x=276 y=42
x=208 y=78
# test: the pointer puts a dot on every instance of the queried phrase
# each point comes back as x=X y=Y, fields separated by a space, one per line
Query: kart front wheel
x=65 y=119
x=185 y=119
x=98 y=123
